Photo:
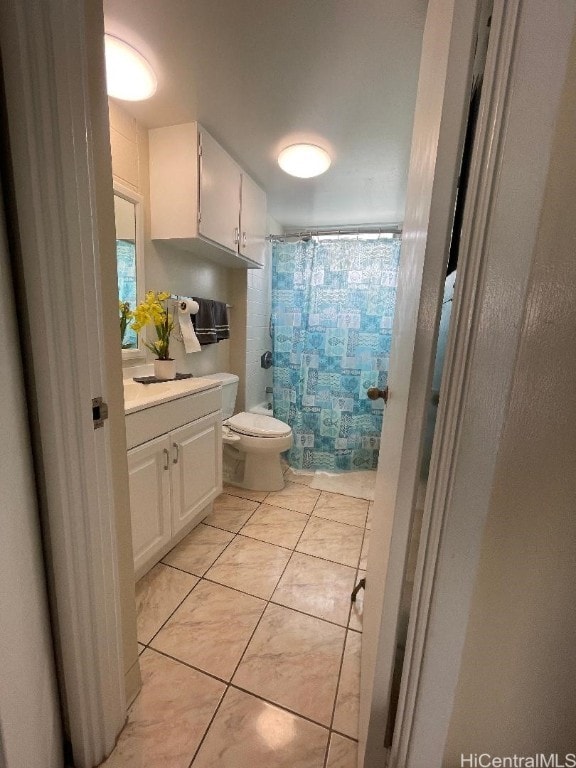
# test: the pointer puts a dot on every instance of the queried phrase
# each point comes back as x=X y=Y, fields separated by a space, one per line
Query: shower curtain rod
x=395 y=230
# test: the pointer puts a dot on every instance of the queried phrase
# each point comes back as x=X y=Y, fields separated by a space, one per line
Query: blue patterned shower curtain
x=332 y=308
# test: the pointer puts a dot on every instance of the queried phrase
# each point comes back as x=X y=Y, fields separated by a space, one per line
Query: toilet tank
x=229 y=383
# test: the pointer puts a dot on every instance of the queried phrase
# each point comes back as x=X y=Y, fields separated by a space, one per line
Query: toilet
x=252 y=442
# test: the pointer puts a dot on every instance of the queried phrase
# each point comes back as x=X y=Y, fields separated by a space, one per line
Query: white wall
x=30 y=729
x=517 y=680
x=258 y=341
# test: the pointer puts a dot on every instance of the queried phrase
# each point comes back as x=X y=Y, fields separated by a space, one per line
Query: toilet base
x=263 y=473
x=255 y=472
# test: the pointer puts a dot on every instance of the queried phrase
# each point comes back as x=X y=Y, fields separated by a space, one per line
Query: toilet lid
x=257 y=425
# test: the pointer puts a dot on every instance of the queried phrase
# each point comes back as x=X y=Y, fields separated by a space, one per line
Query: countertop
x=138 y=396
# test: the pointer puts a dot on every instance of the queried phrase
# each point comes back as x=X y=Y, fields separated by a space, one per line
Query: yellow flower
x=152 y=312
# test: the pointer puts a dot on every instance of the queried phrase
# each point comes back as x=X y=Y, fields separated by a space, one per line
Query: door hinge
x=99 y=412
x=199 y=217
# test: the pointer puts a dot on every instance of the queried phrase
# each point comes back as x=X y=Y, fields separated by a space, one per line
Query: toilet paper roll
x=187 y=307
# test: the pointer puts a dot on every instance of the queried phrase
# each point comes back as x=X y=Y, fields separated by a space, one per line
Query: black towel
x=221 y=320
x=204 y=323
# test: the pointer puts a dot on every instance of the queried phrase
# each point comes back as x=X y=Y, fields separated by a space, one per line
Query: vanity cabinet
x=202 y=201
x=173 y=477
x=150 y=502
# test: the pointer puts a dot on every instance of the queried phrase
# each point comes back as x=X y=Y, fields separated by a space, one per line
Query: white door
x=29 y=702
x=149 y=475
x=219 y=194
x=196 y=473
x=253 y=221
x=439 y=125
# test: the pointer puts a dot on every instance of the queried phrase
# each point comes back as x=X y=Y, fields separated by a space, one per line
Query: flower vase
x=165 y=369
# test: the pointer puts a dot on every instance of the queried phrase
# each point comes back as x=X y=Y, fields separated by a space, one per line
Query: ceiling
x=263 y=74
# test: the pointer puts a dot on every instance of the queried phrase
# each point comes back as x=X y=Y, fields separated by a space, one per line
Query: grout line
x=203 y=739
x=305 y=613
x=190 y=666
x=283 y=707
x=244 y=498
x=173 y=612
x=344 y=735
x=339 y=679
x=260 y=619
x=340 y=522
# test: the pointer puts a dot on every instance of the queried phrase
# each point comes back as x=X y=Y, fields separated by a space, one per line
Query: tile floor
x=250 y=646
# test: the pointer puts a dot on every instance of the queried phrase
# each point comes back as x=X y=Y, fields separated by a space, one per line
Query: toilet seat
x=256 y=425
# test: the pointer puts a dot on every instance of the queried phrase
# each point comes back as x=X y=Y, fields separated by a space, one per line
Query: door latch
x=99 y=412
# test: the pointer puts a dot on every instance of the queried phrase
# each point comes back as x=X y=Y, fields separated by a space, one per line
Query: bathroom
x=216 y=679
x=280 y=551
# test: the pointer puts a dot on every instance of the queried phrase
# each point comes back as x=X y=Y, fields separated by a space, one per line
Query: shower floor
x=359 y=484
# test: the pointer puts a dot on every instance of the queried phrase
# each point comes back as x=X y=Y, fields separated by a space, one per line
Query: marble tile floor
x=249 y=644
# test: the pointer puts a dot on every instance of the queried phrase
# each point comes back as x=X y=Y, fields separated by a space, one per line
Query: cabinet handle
x=244 y=239
x=236 y=235
x=167 y=457
x=177 y=449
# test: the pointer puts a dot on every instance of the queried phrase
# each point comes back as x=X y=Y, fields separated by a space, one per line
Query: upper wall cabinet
x=202 y=201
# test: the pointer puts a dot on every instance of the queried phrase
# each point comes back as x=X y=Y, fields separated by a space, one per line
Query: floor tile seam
x=260 y=619
x=341 y=522
x=245 y=690
x=289 y=509
x=213 y=563
x=364 y=539
x=175 y=609
x=236 y=496
x=207 y=730
x=200 y=576
x=253 y=538
x=219 y=528
x=326 y=560
x=332 y=562
x=338 y=683
x=182 y=570
x=177 y=568
x=193 y=588
x=344 y=735
x=212 y=580
x=189 y=665
x=357 y=578
x=236 y=499
x=283 y=707
x=305 y=613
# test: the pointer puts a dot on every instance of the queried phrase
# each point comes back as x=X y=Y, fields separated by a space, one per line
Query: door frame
x=523 y=86
x=58 y=242
x=440 y=118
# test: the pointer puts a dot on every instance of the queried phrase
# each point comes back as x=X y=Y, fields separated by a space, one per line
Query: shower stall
x=333 y=307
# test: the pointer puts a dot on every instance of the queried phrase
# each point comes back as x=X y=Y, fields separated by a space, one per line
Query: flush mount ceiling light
x=128 y=75
x=304 y=160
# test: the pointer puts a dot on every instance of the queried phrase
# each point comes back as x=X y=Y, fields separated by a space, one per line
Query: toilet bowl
x=252 y=442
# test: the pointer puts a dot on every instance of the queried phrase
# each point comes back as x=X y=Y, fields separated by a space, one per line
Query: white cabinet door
x=149 y=475
x=219 y=194
x=253 y=221
x=196 y=468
